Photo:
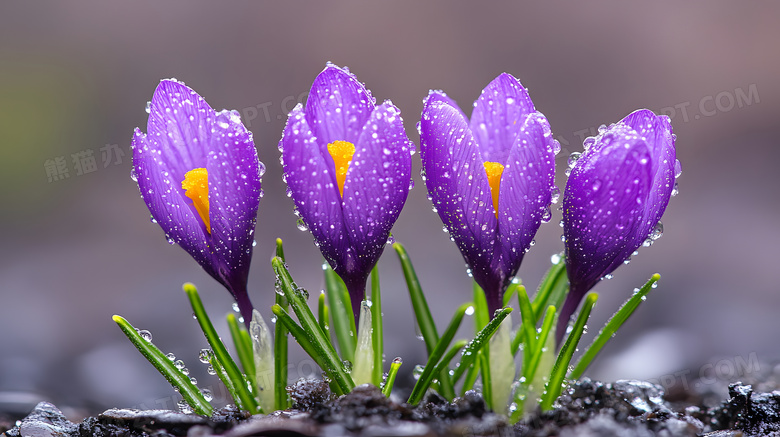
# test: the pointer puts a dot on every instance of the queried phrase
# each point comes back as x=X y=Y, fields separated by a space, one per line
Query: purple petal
x=313 y=188
x=162 y=194
x=180 y=122
x=338 y=107
x=498 y=115
x=377 y=184
x=234 y=194
x=657 y=132
x=458 y=187
x=604 y=205
x=525 y=191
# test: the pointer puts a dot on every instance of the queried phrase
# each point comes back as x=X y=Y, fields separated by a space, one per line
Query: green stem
x=281 y=345
x=189 y=391
x=341 y=310
x=219 y=349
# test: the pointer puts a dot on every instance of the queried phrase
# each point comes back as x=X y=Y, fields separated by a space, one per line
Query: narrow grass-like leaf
x=471 y=377
x=378 y=327
x=322 y=314
x=189 y=391
x=390 y=381
x=334 y=366
x=529 y=372
x=422 y=313
x=483 y=356
x=612 y=327
x=479 y=341
x=527 y=331
x=244 y=350
x=219 y=349
x=561 y=367
x=229 y=384
x=552 y=290
x=281 y=345
x=341 y=311
x=481 y=319
x=433 y=359
x=510 y=291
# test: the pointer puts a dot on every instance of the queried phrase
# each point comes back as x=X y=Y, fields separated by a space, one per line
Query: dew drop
x=146 y=335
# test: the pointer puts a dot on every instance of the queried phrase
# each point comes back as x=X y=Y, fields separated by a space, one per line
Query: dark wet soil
x=588 y=408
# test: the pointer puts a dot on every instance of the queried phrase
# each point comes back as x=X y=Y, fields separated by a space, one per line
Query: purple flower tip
x=198 y=172
x=617 y=191
x=491 y=178
x=347 y=164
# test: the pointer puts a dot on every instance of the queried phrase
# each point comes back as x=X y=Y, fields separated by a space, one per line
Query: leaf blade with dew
x=281 y=345
x=527 y=332
x=189 y=391
x=471 y=377
x=433 y=359
x=207 y=355
x=529 y=373
x=243 y=350
x=220 y=352
x=335 y=368
x=422 y=313
x=265 y=366
x=377 y=327
x=363 y=368
x=479 y=341
x=553 y=288
x=611 y=327
x=341 y=311
x=510 y=291
x=322 y=314
x=560 y=368
x=304 y=340
x=391 y=375
x=481 y=319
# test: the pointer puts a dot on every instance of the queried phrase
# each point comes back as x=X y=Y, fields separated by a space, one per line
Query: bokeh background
x=75 y=77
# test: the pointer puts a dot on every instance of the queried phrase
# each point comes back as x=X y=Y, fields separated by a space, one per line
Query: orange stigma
x=342 y=152
x=494 y=171
x=196 y=186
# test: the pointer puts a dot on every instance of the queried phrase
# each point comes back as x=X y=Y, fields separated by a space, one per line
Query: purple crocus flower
x=347 y=163
x=491 y=179
x=617 y=192
x=198 y=173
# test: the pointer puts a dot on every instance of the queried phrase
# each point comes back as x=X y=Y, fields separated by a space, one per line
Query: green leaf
x=390 y=381
x=333 y=365
x=220 y=352
x=527 y=331
x=189 y=391
x=281 y=345
x=243 y=349
x=479 y=341
x=530 y=381
x=421 y=312
x=433 y=359
x=553 y=288
x=378 y=334
x=323 y=314
x=555 y=384
x=340 y=307
x=612 y=326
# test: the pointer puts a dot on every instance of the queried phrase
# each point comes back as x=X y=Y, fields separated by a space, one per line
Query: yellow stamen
x=196 y=186
x=494 y=171
x=342 y=152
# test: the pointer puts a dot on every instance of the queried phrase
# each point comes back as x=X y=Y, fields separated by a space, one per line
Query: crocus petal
x=498 y=115
x=377 y=184
x=180 y=121
x=313 y=188
x=162 y=195
x=338 y=107
x=458 y=187
x=234 y=195
x=657 y=132
x=525 y=190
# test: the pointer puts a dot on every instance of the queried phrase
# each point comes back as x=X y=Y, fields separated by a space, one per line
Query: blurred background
x=78 y=245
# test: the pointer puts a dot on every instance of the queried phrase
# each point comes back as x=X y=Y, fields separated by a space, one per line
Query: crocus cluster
x=491 y=178
x=198 y=172
x=347 y=164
